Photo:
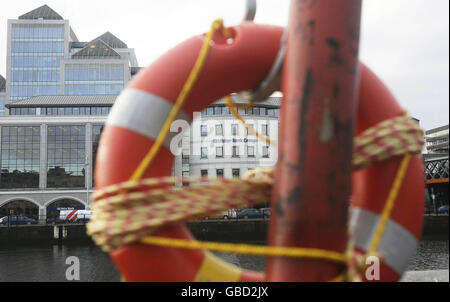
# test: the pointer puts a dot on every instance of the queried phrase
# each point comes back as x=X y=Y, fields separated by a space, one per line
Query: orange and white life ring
x=141 y=109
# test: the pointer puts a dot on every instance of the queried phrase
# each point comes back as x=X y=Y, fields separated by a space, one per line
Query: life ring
x=141 y=109
x=371 y=187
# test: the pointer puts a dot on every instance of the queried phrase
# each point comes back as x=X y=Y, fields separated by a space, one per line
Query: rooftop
x=89 y=100
x=434 y=130
x=64 y=100
x=44 y=12
x=111 y=40
x=2 y=83
x=96 y=48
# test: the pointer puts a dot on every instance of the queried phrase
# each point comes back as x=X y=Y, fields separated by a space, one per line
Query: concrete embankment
x=254 y=230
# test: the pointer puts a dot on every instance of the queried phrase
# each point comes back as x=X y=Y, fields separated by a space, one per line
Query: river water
x=49 y=263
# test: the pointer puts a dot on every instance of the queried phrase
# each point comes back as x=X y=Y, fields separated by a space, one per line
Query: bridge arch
x=20 y=206
x=54 y=205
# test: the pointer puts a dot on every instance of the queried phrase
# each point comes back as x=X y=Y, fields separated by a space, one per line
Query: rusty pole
x=313 y=176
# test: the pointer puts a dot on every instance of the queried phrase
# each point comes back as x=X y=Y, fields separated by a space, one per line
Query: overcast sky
x=406 y=42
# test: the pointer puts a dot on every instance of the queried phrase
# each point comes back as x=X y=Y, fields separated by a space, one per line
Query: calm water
x=48 y=264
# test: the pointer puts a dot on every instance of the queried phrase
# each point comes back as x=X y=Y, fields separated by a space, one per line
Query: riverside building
x=57 y=94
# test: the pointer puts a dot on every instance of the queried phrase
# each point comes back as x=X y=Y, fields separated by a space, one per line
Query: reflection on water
x=48 y=263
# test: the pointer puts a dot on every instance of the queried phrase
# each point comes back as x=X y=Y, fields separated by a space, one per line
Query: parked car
x=443 y=209
x=224 y=214
x=17 y=220
x=266 y=212
x=74 y=216
x=250 y=213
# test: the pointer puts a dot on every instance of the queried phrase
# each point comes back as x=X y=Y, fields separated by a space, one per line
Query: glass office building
x=55 y=98
x=36 y=46
x=44 y=57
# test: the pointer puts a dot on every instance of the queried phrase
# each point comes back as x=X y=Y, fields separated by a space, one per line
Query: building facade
x=218 y=145
x=44 y=57
x=57 y=94
x=48 y=152
x=436 y=140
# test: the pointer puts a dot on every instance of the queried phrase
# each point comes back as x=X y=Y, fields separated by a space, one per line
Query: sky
x=405 y=42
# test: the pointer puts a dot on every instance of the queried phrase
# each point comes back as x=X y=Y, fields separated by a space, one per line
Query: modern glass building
x=55 y=99
x=44 y=57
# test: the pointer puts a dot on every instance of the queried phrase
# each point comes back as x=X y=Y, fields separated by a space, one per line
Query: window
x=234 y=129
x=219 y=129
x=250 y=151
x=277 y=112
x=264 y=130
x=235 y=151
x=219 y=173
x=203 y=130
x=66 y=156
x=218 y=110
x=20 y=154
x=204 y=173
x=219 y=151
x=235 y=173
x=265 y=151
x=210 y=111
x=186 y=174
x=204 y=152
x=96 y=132
x=246 y=129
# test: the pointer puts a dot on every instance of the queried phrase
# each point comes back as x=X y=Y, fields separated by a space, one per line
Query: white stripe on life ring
x=397 y=244
x=143 y=113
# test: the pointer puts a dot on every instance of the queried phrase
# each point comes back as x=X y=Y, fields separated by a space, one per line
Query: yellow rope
x=390 y=202
x=232 y=106
x=244 y=248
x=190 y=82
x=257 y=250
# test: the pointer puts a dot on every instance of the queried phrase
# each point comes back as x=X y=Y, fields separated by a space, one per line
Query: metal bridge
x=436 y=170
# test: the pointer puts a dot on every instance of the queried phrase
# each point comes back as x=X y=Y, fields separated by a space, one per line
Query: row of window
x=20 y=156
x=219 y=173
x=37 y=47
x=234 y=129
x=260 y=111
x=94 y=74
x=2 y=106
x=37 y=31
x=235 y=151
x=437 y=141
x=35 y=76
x=25 y=91
x=36 y=61
x=94 y=110
x=101 y=89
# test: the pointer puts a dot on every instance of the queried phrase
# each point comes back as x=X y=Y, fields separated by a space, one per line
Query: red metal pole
x=313 y=176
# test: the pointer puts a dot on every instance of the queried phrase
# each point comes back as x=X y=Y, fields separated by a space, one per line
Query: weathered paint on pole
x=313 y=176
